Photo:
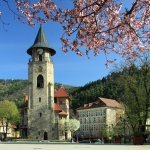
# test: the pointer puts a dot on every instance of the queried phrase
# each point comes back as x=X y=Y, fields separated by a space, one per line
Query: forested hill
x=15 y=90
x=106 y=87
x=129 y=83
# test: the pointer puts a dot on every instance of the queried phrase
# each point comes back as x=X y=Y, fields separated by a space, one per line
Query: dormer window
x=40 y=81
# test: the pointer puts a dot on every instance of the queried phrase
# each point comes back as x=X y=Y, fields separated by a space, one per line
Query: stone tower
x=41 y=89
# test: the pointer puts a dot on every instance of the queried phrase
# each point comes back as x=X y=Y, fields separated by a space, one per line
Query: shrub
x=138 y=133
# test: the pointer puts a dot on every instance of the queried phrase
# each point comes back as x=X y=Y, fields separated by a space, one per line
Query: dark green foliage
x=138 y=133
x=85 y=94
x=13 y=90
x=9 y=113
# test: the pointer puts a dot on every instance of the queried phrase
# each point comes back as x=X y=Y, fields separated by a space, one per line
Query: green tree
x=9 y=113
x=135 y=84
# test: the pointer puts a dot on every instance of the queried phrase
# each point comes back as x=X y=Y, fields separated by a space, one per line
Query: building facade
x=39 y=112
x=10 y=130
x=95 y=116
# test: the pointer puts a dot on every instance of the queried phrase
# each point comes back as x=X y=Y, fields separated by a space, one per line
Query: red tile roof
x=102 y=102
x=61 y=93
x=63 y=113
x=13 y=126
x=57 y=108
x=110 y=102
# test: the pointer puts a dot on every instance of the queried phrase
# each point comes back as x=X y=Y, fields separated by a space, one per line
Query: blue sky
x=69 y=68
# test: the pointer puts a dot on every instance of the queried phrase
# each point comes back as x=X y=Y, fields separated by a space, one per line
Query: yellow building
x=95 y=116
x=10 y=130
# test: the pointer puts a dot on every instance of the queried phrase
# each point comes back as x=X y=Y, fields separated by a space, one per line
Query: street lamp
x=124 y=122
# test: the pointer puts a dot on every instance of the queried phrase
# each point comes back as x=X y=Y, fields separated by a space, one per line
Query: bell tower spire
x=41 y=42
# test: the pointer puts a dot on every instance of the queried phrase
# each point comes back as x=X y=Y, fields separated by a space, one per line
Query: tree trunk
x=6 y=130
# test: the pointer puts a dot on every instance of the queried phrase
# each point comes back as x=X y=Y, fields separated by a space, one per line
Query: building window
x=89 y=113
x=104 y=111
x=40 y=114
x=94 y=127
x=104 y=119
x=80 y=121
x=40 y=81
x=82 y=114
x=55 y=100
x=89 y=120
x=39 y=99
x=98 y=111
x=101 y=112
x=99 y=120
x=79 y=114
x=94 y=120
x=94 y=112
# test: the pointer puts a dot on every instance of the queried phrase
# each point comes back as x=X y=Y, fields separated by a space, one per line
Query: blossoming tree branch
x=97 y=25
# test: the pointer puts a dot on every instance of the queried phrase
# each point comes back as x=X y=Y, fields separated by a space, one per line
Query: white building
x=95 y=116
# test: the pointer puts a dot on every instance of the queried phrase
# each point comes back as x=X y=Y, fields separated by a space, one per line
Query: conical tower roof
x=41 y=42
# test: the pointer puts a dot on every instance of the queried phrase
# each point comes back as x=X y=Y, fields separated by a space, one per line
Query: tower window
x=40 y=114
x=40 y=57
x=39 y=99
x=40 y=81
x=55 y=100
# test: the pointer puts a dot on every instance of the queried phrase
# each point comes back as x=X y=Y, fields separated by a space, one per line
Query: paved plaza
x=68 y=146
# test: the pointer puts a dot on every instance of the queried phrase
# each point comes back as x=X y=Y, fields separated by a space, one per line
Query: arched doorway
x=45 y=136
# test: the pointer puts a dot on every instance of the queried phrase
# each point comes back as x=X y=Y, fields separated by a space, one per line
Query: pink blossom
x=99 y=25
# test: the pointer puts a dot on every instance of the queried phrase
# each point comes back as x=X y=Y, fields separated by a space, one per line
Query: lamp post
x=124 y=131
x=124 y=128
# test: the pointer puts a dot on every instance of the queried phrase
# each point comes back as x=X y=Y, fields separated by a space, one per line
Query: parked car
x=96 y=141
x=8 y=139
x=84 y=141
